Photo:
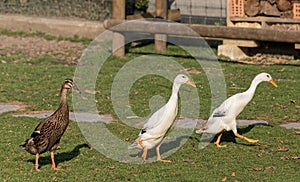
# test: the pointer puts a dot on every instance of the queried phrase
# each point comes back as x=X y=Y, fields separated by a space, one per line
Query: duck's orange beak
x=273 y=83
x=191 y=83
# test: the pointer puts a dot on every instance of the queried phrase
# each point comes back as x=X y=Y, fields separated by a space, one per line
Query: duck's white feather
x=224 y=117
x=158 y=124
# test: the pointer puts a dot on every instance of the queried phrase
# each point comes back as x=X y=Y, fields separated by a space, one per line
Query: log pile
x=274 y=8
x=285 y=27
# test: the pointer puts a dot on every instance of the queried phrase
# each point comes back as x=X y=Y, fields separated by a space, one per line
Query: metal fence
x=199 y=11
x=203 y=11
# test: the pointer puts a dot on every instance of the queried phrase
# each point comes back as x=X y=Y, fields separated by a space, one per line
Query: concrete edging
x=53 y=26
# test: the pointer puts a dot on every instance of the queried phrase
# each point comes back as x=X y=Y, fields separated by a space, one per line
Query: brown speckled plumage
x=47 y=134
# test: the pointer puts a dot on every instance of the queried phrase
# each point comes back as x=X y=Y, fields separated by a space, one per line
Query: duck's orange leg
x=245 y=138
x=53 y=162
x=145 y=150
x=217 y=143
x=159 y=157
x=36 y=165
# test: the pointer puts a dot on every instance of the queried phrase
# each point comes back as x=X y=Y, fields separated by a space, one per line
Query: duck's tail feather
x=134 y=145
x=22 y=146
x=26 y=144
x=203 y=129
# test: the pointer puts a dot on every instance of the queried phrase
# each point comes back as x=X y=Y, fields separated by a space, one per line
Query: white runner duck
x=158 y=124
x=224 y=117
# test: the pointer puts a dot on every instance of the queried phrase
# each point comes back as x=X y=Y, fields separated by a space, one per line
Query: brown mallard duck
x=48 y=132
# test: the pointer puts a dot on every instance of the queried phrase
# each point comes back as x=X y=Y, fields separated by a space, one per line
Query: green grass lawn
x=37 y=86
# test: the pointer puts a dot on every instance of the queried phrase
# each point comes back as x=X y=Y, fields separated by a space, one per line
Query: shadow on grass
x=228 y=136
x=164 y=148
x=60 y=157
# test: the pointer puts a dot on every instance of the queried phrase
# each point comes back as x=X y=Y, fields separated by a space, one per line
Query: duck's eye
x=268 y=76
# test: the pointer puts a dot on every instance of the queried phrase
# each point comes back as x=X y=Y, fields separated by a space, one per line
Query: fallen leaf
x=132 y=117
x=256 y=169
x=224 y=179
x=288 y=158
x=233 y=174
x=260 y=154
x=93 y=92
x=283 y=149
x=188 y=161
x=193 y=71
x=284 y=158
x=296 y=157
x=57 y=94
x=281 y=70
x=111 y=167
x=270 y=167
x=296 y=132
x=126 y=139
x=108 y=97
x=293 y=101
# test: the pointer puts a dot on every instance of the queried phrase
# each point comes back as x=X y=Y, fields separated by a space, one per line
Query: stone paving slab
x=78 y=116
x=190 y=123
x=291 y=125
x=95 y=117
x=8 y=107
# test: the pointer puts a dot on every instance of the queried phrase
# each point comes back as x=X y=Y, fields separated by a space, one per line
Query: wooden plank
x=220 y=32
x=264 y=19
x=161 y=12
x=118 y=45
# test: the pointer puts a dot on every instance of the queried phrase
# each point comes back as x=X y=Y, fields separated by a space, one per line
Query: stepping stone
x=291 y=125
x=78 y=116
x=190 y=123
x=8 y=107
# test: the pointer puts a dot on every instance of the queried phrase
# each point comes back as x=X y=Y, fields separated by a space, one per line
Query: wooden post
x=161 y=12
x=118 y=43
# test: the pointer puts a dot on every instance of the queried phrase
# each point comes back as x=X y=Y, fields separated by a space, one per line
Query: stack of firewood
x=276 y=8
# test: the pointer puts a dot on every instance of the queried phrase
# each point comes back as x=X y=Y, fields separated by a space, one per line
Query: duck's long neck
x=251 y=90
x=63 y=105
x=175 y=90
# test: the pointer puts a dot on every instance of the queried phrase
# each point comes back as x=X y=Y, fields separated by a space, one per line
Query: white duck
x=224 y=117
x=158 y=124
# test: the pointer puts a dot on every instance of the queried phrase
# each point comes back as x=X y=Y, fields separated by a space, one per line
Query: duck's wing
x=222 y=110
x=218 y=114
x=155 y=119
x=44 y=125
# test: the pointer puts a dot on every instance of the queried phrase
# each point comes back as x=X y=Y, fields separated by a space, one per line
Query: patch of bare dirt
x=268 y=59
x=19 y=48
x=37 y=50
